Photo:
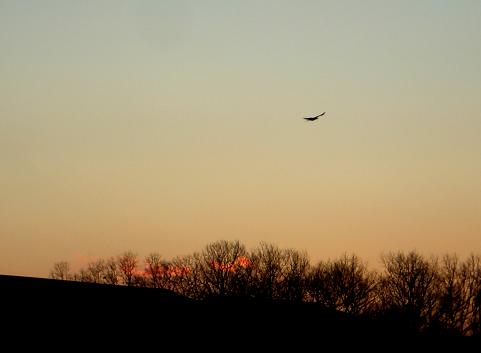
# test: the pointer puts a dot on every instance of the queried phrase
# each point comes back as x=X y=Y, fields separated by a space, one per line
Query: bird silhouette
x=312 y=118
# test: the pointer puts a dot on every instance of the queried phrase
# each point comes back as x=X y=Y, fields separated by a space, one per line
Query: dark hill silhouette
x=32 y=302
x=70 y=301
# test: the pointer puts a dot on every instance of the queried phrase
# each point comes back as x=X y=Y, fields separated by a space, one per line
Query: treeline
x=435 y=295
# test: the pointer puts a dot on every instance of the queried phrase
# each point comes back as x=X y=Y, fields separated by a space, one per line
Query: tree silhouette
x=453 y=302
x=345 y=285
x=94 y=272
x=184 y=276
x=60 y=270
x=267 y=271
x=155 y=269
x=410 y=287
x=471 y=276
x=111 y=271
x=223 y=268
x=412 y=293
x=278 y=274
x=127 y=263
x=295 y=266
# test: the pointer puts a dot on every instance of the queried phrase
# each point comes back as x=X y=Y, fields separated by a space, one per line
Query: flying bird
x=312 y=118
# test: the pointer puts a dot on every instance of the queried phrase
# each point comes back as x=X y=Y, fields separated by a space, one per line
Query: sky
x=162 y=126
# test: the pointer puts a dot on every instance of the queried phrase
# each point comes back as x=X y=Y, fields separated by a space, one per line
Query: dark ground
x=77 y=310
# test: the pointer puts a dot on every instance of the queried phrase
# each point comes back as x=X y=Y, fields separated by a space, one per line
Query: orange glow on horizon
x=239 y=262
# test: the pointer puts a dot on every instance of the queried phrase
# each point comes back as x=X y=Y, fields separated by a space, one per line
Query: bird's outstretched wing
x=315 y=117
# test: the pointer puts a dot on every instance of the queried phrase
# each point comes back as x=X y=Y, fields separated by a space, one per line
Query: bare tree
x=61 y=270
x=183 y=276
x=111 y=271
x=155 y=270
x=278 y=273
x=95 y=271
x=410 y=286
x=320 y=285
x=127 y=264
x=453 y=304
x=267 y=271
x=295 y=267
x=224 y=268
x=344 y=284
x=140 y=280
x=471 y=278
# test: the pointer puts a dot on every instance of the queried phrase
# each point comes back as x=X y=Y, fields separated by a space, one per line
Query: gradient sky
x=165 y=125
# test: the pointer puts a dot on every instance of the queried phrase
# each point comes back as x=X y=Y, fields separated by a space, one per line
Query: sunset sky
x=166 y=125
